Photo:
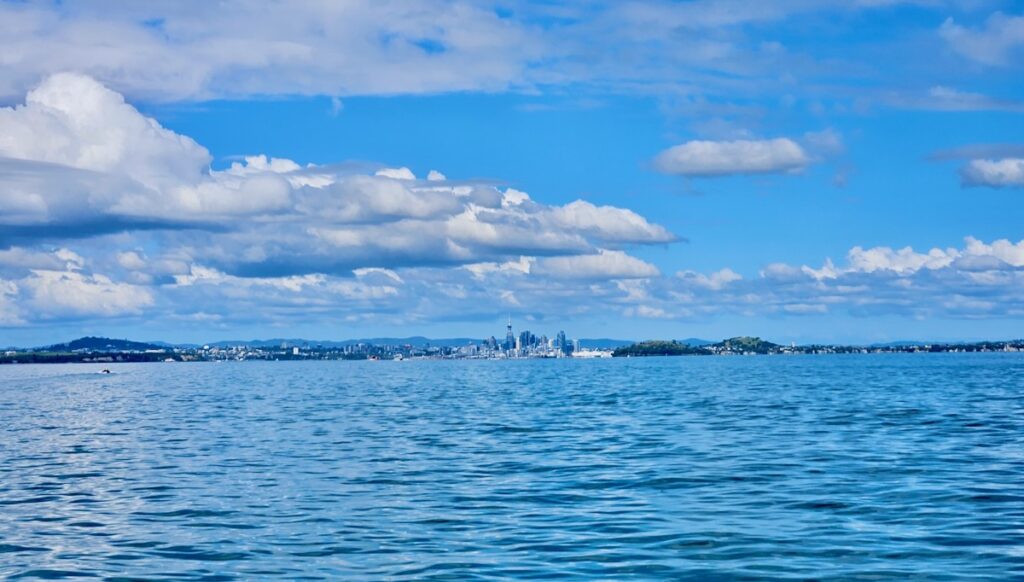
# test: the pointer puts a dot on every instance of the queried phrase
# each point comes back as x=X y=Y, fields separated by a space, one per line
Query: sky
x=806 y=171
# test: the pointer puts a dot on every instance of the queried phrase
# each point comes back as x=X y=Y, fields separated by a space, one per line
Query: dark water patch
x=198 y=554
x=185 y=513
x=70 y=476
x=14 y=548
x=221 y=525
x=52 y=574
x=30 y=500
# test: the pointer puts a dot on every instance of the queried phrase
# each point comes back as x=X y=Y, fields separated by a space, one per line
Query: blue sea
x=712 y=468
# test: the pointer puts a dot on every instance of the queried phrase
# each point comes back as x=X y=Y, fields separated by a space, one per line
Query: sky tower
x=510 y=340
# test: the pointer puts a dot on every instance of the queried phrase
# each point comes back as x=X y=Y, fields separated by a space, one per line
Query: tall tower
x=510 y=340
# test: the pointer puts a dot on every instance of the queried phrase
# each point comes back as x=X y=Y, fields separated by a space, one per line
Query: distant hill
x=659 y=348
x=102 y=344
x=898 y=344
x=696 y=342
x=603 y=343
x=746 y=344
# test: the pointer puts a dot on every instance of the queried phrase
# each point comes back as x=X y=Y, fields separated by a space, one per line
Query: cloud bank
x=173 y=51
x=107 y=216
x=79 y=166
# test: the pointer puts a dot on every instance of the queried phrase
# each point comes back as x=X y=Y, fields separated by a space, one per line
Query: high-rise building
x=526 y=340
x=510 y=339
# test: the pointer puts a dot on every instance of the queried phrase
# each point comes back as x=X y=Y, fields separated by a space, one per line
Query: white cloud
x=995 y=44
x=74 y=121
x=977 y=280
x=168 y=51
x=1006 y=172
x=980 y=279
x=396 y=173
x=714 y=281
x=76 y=152
x=174 y=51
x=131 y=260
x=16 y=258
x=722 y=158
x=607 y=223
x=603 y=265
x=646 y=311
x=805 y=308
x=1004 y=250
x=904 y=260
x=481 y=270
x=97 y=165
x=57 y=293
x=271 y=238
x=337 y=106
x=9 y=312
x=942 y=98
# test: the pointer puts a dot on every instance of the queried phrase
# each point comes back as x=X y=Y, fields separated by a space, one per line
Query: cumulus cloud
x=977 y=280
x=701 y=158
x=77 y=154
x=20 y=258
x=607 y=223
x=714 y=281
x=267 y=231
x=1006 y=172
x=74 y=121
x=57 y=293
x=131 y=260
x=603 y=265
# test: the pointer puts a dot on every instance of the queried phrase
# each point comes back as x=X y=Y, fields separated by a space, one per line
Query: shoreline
x=128 y=359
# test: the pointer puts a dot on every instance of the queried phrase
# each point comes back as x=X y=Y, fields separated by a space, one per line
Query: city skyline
x=355 y=171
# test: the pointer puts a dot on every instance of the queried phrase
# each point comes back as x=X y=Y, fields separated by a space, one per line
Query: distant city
x=524 y=345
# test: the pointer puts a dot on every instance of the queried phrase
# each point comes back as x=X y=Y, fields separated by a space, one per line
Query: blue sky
x=804 y=171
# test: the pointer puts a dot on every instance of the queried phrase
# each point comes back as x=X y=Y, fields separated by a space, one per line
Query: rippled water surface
x=885 y=466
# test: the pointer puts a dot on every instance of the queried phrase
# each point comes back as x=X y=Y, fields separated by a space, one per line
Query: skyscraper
x=510 y=339
x=526 y=339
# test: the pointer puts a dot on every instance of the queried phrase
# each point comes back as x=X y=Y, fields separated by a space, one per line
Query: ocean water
x=843 y=467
